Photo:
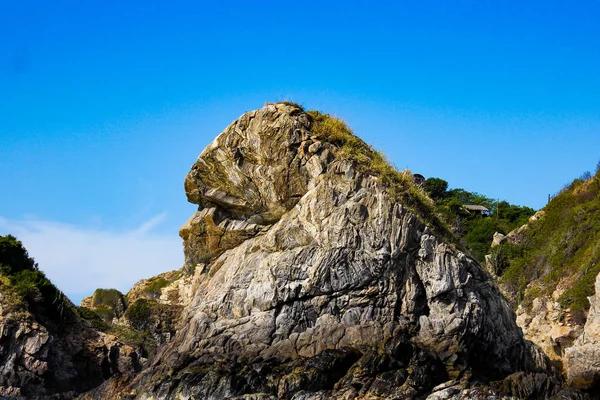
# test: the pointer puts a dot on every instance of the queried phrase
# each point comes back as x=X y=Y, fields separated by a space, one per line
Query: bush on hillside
x=476 y=231
x=155 y=285
x=44 y=300
x=138 y=314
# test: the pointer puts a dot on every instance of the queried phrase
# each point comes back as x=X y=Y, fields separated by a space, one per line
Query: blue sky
x=105 y=106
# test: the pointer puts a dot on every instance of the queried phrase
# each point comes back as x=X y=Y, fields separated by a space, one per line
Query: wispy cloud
x=147 y=226
x=79 y=259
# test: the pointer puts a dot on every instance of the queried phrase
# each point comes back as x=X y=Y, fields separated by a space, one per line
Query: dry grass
x=400 y=185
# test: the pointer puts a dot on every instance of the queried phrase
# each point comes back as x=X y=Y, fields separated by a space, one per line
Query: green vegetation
x=436 y=188
x=127 y=335
x=21 y=275
x=138 y=314
x=155 y=285
x=109 y=297
x=145 y=314
x=369 y=161
x=92 y=317
x=108 y=303
x=293 y=104
x=562 y=248
x=476 y=231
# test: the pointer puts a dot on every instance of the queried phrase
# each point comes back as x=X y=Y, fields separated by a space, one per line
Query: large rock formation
x=312 y=281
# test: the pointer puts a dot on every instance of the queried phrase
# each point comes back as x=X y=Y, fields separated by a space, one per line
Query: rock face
x=582 y=360
x=38 y=363
x=312 y=282
x=549 y=326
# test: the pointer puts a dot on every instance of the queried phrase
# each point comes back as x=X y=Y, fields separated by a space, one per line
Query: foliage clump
x=138 y=314
x=400 y=184
x=109 y=303
x=92 y=317
x=293 y=104
x=153 y=289
x=22 y=276
x=476 y=230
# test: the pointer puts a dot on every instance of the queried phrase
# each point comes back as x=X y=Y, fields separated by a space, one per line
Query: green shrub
x=480 y=232
x=109 y=303
x=105 y=312
x=110 y=297
x=43 y=299
x=92 y=317
x=436 y=188
x=28 y=283
x=138 y=314
x=155 y=285
x=293 y=104
x=14 y=258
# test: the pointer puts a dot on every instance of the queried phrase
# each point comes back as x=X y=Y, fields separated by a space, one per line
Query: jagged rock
x=87 y=302
x=181 y=290
x=582 y=360
x=313 y=281
x=37 y=362
x=549 y=326
x=152 y=288
x=538 y=215
x=498 y=239
x=516 y=236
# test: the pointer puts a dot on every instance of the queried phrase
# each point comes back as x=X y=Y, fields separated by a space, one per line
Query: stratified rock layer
x=312 y=282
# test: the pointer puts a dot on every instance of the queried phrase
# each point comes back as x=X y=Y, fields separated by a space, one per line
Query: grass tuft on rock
x=400 y=184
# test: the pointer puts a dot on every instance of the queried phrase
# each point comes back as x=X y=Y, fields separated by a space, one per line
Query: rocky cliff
x=46 y=350
x=318 y=273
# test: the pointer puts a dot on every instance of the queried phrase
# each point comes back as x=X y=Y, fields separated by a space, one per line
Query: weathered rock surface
x=313 y=283
x=38 y=363
x=498 y=239
x=582 y=360
x=549 y=326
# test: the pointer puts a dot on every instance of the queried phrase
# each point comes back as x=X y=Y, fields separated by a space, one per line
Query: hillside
x=549 y=268
x=560 y=251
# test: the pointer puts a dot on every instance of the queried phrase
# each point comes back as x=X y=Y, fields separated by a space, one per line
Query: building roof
x=475 y=207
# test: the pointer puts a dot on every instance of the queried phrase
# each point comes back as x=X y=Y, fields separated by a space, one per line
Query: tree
x=14 y=257
x=44 y=300
x=436 y=188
